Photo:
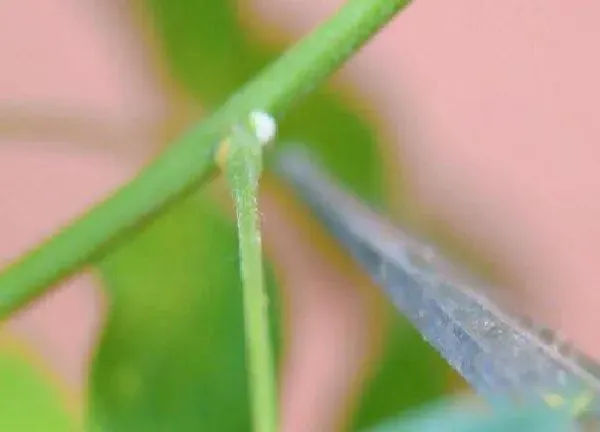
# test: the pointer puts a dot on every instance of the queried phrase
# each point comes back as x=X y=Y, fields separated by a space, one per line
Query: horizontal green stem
x=189 y=161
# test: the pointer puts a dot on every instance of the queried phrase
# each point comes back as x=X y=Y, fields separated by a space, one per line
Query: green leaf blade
x=172 y=355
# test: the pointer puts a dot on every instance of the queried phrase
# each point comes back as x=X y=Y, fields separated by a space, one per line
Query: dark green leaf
x=172 y=354
x=410 y=373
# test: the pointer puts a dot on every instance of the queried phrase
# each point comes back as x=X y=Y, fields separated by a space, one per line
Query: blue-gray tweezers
x=496 y=352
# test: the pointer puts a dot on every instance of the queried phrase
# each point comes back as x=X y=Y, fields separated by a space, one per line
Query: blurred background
x=471 y=122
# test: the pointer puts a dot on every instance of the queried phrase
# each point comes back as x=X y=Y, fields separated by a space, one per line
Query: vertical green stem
x=243 y=166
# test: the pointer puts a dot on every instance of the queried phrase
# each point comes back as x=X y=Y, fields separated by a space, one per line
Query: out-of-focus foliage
x=449 y=416
x=30 y=401
x=172 y=353
x=404 y=378
x=212 y=56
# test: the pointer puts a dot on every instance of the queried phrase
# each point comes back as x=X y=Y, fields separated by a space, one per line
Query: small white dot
x=264 y=126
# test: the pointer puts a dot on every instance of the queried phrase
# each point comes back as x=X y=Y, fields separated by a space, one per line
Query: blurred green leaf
x=409 y=374
x=28 y=400
x=449 y=416
x=172 y=354
x=211 y=55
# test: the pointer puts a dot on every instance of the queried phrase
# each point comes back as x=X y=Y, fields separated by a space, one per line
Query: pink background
x=491 y=104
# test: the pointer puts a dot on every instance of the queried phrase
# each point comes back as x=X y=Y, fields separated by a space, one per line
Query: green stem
x=243 y=168
x=189 y=161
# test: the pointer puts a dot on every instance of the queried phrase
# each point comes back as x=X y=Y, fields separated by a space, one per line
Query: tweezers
x=497 y=353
